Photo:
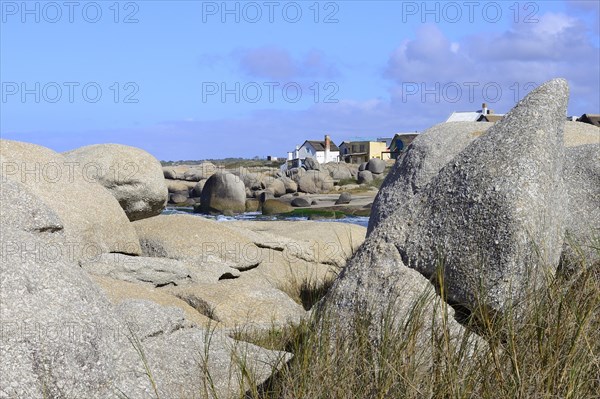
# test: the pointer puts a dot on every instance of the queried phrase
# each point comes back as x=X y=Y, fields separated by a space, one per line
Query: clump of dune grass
x=307 y=292
x=550 y=348
x=308 y=289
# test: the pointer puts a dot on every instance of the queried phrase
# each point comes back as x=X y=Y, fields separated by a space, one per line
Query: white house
x=482 y=115
x=321 y=151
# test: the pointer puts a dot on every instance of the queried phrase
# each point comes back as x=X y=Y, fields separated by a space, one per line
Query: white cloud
x=557 y=46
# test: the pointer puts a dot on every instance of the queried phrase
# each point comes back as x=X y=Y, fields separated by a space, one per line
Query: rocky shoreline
x=93 y=276
x=103 y=296
x=215 y=189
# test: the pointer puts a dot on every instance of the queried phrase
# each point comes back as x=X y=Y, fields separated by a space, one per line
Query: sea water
x=257 y=216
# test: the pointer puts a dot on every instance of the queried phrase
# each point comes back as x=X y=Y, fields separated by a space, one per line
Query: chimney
x=327 y=147
x=484 y=109
x=290 y=156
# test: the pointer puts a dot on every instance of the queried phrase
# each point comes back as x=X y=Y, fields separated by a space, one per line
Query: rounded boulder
x=376 y=166
x=91 y=216
x=300 y=202
x=223 y=192
x=133 y=176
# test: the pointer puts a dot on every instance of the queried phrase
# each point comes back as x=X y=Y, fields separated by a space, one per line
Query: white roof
x=405 y=134
x=464 y=117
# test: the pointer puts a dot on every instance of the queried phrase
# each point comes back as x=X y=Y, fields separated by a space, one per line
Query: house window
x=362 y=148
x=354 y=148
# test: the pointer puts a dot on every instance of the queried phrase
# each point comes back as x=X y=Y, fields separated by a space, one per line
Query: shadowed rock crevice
x=247 y=268
x=227 y=276
x=201 y=306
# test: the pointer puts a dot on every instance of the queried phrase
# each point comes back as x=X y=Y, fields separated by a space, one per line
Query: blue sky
x=204 y=79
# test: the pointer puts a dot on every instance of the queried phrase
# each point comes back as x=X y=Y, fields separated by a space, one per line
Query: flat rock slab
x=202 y=243
x=155 y=271
x=118 y=291
x=328 y=243
x=243 y=302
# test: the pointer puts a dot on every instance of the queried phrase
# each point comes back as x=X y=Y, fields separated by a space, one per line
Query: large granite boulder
x=492 y=218
x=295 y=174
x=56 y=324
x=61 y=337
x=344 y=198
x=582 y=182
x=487 y=226
x=434 y=148
x=176 y=172
x=133 y=176
x=429 y=152
x=92 y=219
x=223 y=192
x=169 y=173
x=376 y=287
x=315 y=182
x=58 y=332
x=197 y=190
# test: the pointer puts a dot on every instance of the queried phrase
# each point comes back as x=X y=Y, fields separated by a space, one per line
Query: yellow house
x=363 y=151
